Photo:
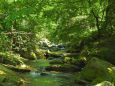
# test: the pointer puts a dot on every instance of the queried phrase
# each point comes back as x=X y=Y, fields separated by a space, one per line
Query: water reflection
x=50 y=78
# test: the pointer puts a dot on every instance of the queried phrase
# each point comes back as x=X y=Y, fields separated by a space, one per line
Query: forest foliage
x=23 y=21
x=85 y=27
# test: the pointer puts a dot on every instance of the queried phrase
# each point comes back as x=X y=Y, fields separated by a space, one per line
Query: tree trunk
x=96 y=19
x=97 y=24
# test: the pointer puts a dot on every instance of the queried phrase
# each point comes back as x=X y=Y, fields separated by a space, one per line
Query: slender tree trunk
x=96 y=19
x=97 y=24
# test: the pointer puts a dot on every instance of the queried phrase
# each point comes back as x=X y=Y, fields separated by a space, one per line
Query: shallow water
x=51 y=79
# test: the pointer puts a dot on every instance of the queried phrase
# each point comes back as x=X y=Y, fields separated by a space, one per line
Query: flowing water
x=45 y=78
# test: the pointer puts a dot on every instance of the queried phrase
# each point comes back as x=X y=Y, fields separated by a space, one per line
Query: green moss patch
x=8 y=76
x=97 y=71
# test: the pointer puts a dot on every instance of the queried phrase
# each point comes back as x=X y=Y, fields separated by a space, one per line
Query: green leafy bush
x=8 y=58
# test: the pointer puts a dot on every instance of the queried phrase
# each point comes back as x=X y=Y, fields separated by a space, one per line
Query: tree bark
x=97 y=24
x=96 y=19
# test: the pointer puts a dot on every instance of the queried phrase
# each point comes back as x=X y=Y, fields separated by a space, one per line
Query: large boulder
x=8 y=77
x=96 y=71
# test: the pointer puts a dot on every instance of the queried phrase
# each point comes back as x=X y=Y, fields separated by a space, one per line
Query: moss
x=21 y=68
x=105 y=83
x=97 y=71
x=33 y=55
x=58 y=52
x=67 y=59
x=8 y=76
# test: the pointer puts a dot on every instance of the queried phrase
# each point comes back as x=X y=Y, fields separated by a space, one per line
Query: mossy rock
x=8 y=76
x=105 y=83
x=96 y=71
x=28 y=55
x=21 y=68
x=63 y=68
x=32 y=54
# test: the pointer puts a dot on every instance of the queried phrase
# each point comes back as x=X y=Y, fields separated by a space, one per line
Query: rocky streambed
x=42 y=77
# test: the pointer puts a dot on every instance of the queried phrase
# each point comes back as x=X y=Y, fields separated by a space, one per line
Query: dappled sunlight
x=2 y=72
x=24 y=81
x=57 y=42
x=105 y=83
x=55 y=72
x=111 y=69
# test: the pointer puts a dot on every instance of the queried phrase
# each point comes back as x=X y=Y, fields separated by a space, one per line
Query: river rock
x=43 y=74
x=96 y=71
x=104 y=83
x=63 y=68
x=8 y=76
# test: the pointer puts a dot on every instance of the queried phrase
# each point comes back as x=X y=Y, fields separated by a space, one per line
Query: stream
x=48 y=78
